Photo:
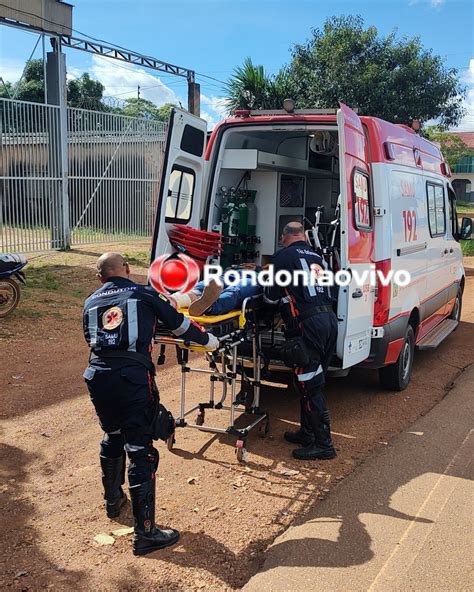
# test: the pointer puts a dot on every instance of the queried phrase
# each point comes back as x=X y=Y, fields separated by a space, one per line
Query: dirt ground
x=51 y=498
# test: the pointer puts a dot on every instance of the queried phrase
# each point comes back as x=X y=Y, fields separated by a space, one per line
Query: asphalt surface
x=402 y=521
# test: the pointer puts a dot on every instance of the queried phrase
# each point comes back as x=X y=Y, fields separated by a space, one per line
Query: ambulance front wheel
x=456 y=312
x=396 y=377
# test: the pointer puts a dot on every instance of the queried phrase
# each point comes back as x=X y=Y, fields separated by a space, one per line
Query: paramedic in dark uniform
x=119 y=324
x=308 y=316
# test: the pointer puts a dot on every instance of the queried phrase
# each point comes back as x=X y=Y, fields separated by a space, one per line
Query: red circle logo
x=173 y=273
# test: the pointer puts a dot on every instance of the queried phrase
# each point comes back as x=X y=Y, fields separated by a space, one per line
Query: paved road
x=402 y=521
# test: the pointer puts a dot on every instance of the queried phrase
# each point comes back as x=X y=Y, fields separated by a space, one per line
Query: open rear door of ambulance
x=181 y=184
x=356 y=300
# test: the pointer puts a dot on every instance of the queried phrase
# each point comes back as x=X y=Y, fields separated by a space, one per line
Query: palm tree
x=251 y=88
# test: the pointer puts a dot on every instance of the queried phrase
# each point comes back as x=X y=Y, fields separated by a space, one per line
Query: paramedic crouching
x=119 y=324
x=311 y=332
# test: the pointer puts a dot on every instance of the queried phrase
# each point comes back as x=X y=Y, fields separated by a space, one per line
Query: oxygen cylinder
x=252 y=213
x=243 y=218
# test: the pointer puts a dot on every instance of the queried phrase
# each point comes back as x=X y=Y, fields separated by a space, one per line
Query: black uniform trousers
x=124 y=399
x=320 y=334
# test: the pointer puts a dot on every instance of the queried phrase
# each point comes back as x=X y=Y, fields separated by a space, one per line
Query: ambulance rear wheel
x=396 y=377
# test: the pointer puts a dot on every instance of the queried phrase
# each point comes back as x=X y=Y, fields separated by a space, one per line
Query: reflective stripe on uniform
x=182 y=328
x=269 y=301
x=132 y=317
x=285 y=300
x=305 y=266
x=310 y=375
x=92 y=326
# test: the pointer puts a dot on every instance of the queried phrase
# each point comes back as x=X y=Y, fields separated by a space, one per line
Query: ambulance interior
x=268 y=178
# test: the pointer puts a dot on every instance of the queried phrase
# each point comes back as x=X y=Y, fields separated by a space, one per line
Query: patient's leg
x=210 y=295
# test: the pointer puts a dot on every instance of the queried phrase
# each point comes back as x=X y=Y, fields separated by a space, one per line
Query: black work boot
x=304 y=435
x=113 y=477
x=322 y=448
x=148 y=537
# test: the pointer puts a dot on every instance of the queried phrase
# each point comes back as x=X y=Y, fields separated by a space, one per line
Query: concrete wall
x=45 y=15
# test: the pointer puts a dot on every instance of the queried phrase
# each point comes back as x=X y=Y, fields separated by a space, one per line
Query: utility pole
x=57 y=95
x=138 y=92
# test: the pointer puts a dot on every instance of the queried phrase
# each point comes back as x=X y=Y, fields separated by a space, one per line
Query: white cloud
x=11 y=70
x=467 y=78
x=123 y=81
x=212 y=109
x=432 y=3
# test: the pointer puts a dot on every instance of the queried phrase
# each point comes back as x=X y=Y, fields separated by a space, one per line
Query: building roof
x=466 y=137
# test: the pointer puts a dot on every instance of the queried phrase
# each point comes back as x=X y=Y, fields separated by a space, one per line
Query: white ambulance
x=372 y=193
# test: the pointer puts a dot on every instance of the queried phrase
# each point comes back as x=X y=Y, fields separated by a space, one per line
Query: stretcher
x=225 y=374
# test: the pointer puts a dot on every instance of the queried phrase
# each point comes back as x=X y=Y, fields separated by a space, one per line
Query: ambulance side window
x=436 y=209
x=361 y=202
x=180 y=195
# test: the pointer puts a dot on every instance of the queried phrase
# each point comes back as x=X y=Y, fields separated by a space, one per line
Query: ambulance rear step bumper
x=439 y=334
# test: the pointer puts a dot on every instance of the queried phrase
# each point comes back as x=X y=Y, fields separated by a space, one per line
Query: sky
x=212 y=37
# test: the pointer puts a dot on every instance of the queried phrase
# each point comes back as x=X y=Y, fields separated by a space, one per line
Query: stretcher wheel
x=170 y=442
x=200 y=419
x=241 y=452
x=264 y=428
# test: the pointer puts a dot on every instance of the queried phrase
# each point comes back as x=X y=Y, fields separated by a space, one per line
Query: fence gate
x=30 y=180
x=111 y=182
x=114 y=168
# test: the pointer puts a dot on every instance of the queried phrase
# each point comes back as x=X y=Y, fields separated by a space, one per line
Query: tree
x=86 y=93
x=30 y=87
x=251 y=88
x=146 y=109
x=81 y=92
x=452 y=146
x=395 y=79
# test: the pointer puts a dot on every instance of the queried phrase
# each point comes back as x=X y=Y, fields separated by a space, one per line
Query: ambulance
x=372 y=195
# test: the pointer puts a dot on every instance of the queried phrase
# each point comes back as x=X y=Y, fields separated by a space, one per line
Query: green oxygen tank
x=230 y=228
x=252 y=213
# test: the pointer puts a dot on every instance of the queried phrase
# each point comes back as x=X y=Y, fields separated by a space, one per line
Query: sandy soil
x=51 y=498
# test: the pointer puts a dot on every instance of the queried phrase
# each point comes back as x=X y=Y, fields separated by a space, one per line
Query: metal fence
x=78 y=177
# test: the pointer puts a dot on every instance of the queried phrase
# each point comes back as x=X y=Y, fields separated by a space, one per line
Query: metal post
x=56 y=85
x=194 y=98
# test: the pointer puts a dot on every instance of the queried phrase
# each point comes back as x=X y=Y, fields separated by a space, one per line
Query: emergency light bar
x=265 y=112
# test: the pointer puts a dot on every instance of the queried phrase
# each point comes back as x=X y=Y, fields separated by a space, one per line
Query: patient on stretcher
x=217 y=298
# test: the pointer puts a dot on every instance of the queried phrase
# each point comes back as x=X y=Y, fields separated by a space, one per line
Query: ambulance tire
x=456 y=312
x=396 y=377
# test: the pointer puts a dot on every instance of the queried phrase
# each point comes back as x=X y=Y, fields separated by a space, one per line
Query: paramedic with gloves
x=119 y=324
x=311 y=332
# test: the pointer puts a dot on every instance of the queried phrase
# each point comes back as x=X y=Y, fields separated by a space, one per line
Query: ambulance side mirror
x=466 y=229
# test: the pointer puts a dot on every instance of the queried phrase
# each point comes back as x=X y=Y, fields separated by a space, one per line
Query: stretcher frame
x=224 y=370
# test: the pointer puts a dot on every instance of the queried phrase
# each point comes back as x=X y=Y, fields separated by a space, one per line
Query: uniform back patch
x=112 y=318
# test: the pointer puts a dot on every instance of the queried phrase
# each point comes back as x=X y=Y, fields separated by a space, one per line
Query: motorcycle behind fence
x=11 y=275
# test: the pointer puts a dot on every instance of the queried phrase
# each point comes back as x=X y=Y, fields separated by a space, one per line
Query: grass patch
x=464 y=207
x=141 y=258
x=467 y=248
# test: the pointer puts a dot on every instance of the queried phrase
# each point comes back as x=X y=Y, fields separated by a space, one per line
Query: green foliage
x=146 y=109
x=85 y=92
x=452 y=146
x=252 y=88
x=395 y=79
x=81 y=92
x=383 y=76
x=467 y=248
x=30 y=87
